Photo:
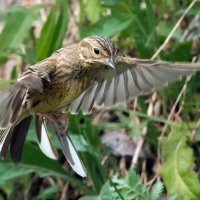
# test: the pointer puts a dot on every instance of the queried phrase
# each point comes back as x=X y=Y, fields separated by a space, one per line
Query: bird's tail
x=66 y=146
x=12 y=131
x=13 y=137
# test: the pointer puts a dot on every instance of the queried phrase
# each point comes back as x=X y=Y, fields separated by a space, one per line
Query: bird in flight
x=75 y=78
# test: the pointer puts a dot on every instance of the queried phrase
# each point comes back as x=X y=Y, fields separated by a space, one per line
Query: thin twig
x=137 y=152
x=188 y=78
x=144 y=132
x=64 y=192
x=140 y=143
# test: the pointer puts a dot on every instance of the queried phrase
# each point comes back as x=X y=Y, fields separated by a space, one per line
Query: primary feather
x=131 y=78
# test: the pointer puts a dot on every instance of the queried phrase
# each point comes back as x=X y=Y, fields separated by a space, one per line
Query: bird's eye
x=96 y=51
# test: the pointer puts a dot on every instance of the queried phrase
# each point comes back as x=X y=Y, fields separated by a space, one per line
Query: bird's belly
x=61 y=95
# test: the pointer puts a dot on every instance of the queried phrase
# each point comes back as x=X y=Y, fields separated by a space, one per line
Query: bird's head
x=98 y=49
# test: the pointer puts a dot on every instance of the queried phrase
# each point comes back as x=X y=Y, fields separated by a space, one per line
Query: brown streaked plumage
x=71 y=79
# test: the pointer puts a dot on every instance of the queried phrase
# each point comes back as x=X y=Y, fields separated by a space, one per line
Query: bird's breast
x=60 y=93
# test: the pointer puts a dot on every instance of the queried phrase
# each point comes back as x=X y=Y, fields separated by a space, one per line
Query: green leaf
x=151 y=16
x=156 y=190
x=33 y=160
x=48 y=192
x=106 y=192
x=177 y=170
x=15 y=31
x=93 y=9
x=13 y=74
x=61 y=26
x=53 y=31
x=108 y=26
x=83 y=132
x=9 y=171
x=130 y=188
x=44 y=42
x=172 y=197
x=89 y=198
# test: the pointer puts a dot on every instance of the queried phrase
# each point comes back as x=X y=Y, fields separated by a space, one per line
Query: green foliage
x=93 y=10
x=49 y=192
x=129 y=19
x=177 y=170
x=53 y=31
x=128 y=188
x=88 y=136
x=35 y=161
x=138 y=28
x=15 y=31
x=156 y=190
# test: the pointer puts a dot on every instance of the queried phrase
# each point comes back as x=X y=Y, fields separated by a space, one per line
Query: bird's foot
x=59 y=121
x=62 y=117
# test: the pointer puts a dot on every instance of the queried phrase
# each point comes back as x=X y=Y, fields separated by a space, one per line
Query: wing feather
x=76 y=104
x=132 y=77
x=126 y=85
x=133 y=89
x=121 y=95
x=105 y=92
x=98 y=88
x=5 y=135
x=100 y=95
x=89 y=99
x=108 y=99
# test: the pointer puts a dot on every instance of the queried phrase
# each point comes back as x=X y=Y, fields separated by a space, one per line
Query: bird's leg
x=56 y=125
x=62 y=119
x=59 y=121
x=56 y=120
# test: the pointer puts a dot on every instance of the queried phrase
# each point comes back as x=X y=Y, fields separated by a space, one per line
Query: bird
x=92 y=71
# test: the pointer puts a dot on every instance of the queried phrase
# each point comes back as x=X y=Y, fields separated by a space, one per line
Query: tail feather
x=18 y=138
x=71 y=154
x=43 y=139
x=66 y=145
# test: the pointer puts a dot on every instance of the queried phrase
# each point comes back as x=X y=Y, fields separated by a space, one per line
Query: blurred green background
x=123 y=148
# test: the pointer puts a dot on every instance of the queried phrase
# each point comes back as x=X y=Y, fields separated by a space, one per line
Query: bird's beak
x=110 y=62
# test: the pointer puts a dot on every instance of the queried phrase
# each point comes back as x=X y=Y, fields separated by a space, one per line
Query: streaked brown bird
x=74 y=78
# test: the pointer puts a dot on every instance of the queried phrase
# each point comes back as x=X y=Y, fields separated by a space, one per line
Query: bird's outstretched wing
x=130 y=78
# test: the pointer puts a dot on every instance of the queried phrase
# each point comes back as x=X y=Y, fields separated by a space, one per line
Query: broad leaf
x=108 y=26
x=33 y=160
x=177 y=171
